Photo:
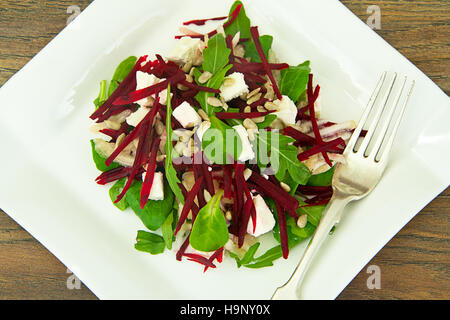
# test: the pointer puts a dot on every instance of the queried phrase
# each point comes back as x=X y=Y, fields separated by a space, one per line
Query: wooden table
x=414 y=264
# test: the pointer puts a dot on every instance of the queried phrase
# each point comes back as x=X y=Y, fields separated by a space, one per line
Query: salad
x=217 y=145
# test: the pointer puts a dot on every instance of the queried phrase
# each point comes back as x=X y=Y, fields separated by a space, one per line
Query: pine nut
x=247 y=109
x=247 y=173
x=285 y=187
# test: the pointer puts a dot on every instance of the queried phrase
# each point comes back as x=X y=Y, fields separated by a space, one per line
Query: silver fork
x=365 y=162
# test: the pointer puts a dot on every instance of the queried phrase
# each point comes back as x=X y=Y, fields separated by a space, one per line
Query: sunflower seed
x=255 y=98
x=228 y=82
x=213 y=101
x=205 y=76
x=203 y=114
x=302 y=220
x=249 y=124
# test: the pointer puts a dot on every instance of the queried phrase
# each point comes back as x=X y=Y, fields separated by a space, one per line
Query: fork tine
x=354 y=138
x=388 y=141
x=384 y=124
x=376 y=118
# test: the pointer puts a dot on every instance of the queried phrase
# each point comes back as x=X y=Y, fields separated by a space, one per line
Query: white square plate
x=48 y=175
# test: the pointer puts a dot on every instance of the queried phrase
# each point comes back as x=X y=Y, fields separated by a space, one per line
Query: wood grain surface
x=415 y=264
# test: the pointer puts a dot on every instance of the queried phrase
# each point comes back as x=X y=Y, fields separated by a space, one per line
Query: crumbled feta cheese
x=234 y=88
x=144 y=80
x=137 y=116
x=247 y=150
x=187 y=51
x=264 y=218
x=186 y=115
x=202 y=128
x=157 y=190
x=287 y=110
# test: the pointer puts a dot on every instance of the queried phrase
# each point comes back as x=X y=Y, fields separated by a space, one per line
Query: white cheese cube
x=187 y=50
x=145 y=80
x=186 y=115
x=137 y=116
x=163 y=97
x=247 y=150
x=264 y=218
x=287 y=110
x=157 y=190
x=233 y=88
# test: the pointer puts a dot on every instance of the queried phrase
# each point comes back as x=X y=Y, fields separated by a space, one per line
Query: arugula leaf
x=242 y=23
x=252 y=53
x=115 y=190
x=155 y=212
x=209 y=231
x=216 y=54
x=264 y=260
x=100 y=161
x=220 y=141
x=103 y=94
x=121 y=73
x=283 y=156
x=314 y=213
x=267 y=121
x=294 y=80
x=322 y=179
x=167 y=230
x=171 y=173
x=149 y=242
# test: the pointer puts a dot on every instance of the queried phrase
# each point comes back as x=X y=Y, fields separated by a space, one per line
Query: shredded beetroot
x=244 y=221
x=319 y=203
x=208 y=179
x=255 y=36
x=218 y=254
x=194 y=207
x=201 y=22
x=246 y=67
x=151 y=167
x=286 y=201
x=199 y=259
x=188 y=203
x=321 y=148
x=146 y=92
x=227 y=176
x=143 y=147
x=113 y=175
x=323 y=196
x=128 y=84
x=301 y=138
x=313 y=190
x=183 y=248
x=231 y=19
x=283 y=231
x=241 y=115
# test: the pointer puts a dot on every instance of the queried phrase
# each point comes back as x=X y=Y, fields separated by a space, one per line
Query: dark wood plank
x=414 y=264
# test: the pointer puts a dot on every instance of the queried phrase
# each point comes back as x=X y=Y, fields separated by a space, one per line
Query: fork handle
x=331 y=216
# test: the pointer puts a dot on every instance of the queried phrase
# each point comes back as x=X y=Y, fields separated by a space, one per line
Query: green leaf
x=171 y=173
x=115 y=190
x=149 y=242
x=242 y=23
x=267 y=121
x=221 y=141
x=252 y=53
x=294 y=80
x=314 y=213
x=210 y=231
x=322 y=179
x=155 y=212
x=283 y=156
x=167 y=230
x=121 y=73
x=103 y=94
x=100 y=161
x=216 y=54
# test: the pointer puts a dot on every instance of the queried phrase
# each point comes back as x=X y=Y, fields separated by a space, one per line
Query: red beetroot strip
x=319 y=203
x=232 y=17
x=113 y=175
x=218 y=254
x=129 y=83
x=321 y=148
x=286 y=201
x=201 y=22
x=324 y=196
x=283 y=231
x=199 y=259
x=248 y=208
x=255 y=36
x=137 y=95
x=143 y=148
x=188 y=203
x=241 y=115
x=313 y=190
x=149 y=176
